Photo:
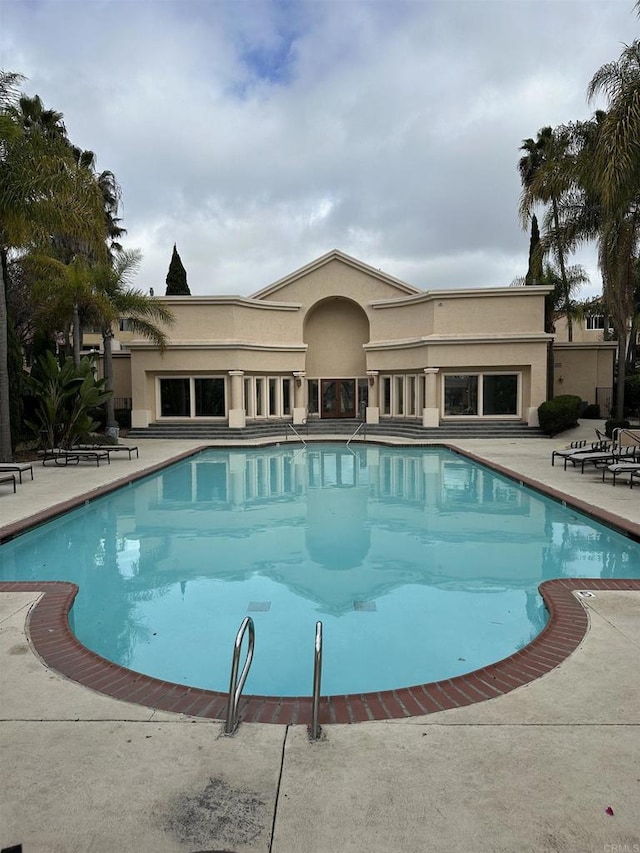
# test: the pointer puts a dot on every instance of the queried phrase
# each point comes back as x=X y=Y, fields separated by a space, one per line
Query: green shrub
x=65 y=400
x=612 y=424
x=559 y=414
x=591 y=412
x=632 y=394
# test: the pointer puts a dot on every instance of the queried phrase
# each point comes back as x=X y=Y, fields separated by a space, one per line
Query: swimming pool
x=421 y=565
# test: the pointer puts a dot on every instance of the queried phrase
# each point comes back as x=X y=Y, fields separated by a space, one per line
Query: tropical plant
x=42 y=190
x=613 y=175
x=177 y=276
x=66 y=398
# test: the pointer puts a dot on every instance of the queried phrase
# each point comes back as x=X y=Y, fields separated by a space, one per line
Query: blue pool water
x=421 y=565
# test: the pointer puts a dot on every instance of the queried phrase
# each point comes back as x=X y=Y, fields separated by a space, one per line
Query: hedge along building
x=338 y=338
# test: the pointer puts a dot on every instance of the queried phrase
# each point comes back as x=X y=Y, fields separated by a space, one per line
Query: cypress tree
x=177 y=277
x=534 y=273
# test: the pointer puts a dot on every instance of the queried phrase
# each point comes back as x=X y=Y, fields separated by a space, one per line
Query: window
x=460 y=395
x=175 y=398
x=210 y=402
x=286 y=396
x=313 y=395
x=260 y=412
x=188 y=397
x=500 y=394
x=125 y=324
x=594 y=321
x=385 y=391
x=489 y=394
x=273 y=396
x=363 y=397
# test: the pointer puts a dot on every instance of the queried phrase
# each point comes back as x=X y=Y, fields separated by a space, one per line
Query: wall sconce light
x=298 y=381
x=371 y=381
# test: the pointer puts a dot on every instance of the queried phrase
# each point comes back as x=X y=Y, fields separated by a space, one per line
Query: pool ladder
x=315 y=729
x=236 y=685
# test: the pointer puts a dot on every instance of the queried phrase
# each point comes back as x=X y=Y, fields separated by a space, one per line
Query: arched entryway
x=335 y=330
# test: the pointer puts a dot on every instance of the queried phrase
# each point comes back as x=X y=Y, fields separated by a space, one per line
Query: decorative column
x=373 y=409
x=299 y=402
x=431 y=411
x=237 y=414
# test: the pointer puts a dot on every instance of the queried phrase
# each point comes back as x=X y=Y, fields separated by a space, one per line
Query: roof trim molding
x=336 y=255
x=242 y=301
x=440 y=340
x=464 y=293
x=219 y=345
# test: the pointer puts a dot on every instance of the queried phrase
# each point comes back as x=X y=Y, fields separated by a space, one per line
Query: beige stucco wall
x=581 y=368
x=335 y=331
x=121 y=374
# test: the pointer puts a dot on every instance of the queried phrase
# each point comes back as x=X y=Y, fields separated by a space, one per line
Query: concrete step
x=346 y=427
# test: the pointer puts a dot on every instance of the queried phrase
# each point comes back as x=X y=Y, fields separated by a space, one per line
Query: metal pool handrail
x=291 y=427
x=358 y=428
x=314 y=732
x=235 y=686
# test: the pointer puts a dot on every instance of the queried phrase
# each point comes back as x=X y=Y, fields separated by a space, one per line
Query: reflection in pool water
x=421 y=565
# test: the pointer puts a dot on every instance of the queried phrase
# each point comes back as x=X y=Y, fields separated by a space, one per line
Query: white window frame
x=192 y=398
x=481 y=374
x=398 y=406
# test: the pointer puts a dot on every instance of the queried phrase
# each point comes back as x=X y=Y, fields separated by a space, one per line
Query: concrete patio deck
x=539 y=769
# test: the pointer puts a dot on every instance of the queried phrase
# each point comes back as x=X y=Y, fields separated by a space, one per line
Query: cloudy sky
x=260 y=135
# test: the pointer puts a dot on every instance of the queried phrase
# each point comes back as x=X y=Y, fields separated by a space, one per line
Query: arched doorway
x=335 y=330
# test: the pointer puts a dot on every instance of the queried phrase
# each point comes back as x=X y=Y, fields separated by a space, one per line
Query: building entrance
x=338 y=398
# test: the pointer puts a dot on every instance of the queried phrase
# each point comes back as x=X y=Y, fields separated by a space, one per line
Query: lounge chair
x=109 y=448
x=618 y=468
x=601 y=457
x=18 y=467
x=574 y=447
x=9 y=478
x=60 y=456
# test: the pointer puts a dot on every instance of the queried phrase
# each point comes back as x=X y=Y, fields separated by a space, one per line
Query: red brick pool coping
x=51 y=637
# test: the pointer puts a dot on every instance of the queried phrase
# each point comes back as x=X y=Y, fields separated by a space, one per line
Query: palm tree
x=115 y=298
x=546 y=175
x=613 y=174
x=41 y=190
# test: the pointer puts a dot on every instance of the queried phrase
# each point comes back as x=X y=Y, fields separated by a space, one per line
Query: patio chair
x=9 y=478
x=573 y=447
x=634 y=475
x=18 y=467
x=618 y=468
x=61 y=456
x=109 y=448
x=601 y=457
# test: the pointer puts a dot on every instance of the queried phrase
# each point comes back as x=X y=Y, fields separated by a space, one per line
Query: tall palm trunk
x=563 y=271
x=6 y=450
x=76 y=335
x=107 y=364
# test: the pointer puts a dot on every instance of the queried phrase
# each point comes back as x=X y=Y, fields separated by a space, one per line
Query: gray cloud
x=259 y=135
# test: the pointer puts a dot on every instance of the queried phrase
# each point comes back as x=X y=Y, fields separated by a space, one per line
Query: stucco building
x=336 y=339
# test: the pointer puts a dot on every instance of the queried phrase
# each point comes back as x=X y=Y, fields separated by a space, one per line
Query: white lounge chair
x=18 y=467
x=60 y=456
x=618 y=468
x=109 y=448
x=9 y=478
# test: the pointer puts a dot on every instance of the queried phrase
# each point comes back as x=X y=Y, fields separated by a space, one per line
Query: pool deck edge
x=53 y=641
